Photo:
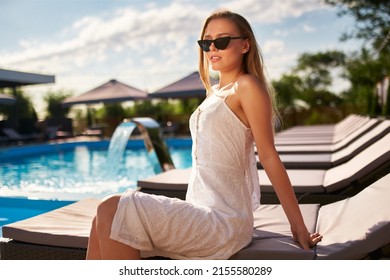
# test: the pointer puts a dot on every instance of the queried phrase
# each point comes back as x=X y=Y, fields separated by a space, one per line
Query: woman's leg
x=110 y=249
x=93 y=250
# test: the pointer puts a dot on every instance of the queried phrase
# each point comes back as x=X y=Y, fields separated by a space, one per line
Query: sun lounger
x=316 y=136
x=318 y=145
x=58 y=234
x=349 y=123
x=354 y=228
x=325 y=128
x=310 y=185
x=328 y=160
x=14 y=136
x=172 y=183
x=337 y=182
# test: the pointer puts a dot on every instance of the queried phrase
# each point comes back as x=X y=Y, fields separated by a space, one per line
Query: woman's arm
x=257 y=109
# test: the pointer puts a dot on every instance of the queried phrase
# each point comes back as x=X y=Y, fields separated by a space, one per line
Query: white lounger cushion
x=359 y=166
x=68 y=226
x=345 y=136
x=328 y=148
x=303 y=181
x=174 y=179
x=272 y=238
x=357 y=225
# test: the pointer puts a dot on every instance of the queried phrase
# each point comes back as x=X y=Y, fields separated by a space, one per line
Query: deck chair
x=354 y=228
x=345 y=123
x=14 y=136
x=332 y=159
x=310 y=185
x=318 y=145
x=324 y=186
x=317 y=136
x=350 y=230
x=58 y=234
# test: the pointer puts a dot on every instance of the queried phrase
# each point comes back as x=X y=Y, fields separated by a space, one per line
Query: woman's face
x=230 y=58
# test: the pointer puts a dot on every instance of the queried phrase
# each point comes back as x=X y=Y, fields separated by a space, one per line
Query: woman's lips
x=214 y=58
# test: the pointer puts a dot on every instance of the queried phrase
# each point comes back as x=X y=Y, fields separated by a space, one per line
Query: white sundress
x=216 y=219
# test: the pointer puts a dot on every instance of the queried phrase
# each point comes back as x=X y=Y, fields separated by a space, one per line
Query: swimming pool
x=16 y=209
x=72 y=171
x=35 y=179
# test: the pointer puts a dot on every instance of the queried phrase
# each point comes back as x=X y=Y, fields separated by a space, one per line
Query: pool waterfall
x=157 y=150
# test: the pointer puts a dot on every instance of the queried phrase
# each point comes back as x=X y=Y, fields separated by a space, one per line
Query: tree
x=303 y=95
x=143 y=108
x=372 y=21
x=368 y=68
x=314 y=69
x=21 y=115
x=54 y=101
x=288 y=94
x=364 y=71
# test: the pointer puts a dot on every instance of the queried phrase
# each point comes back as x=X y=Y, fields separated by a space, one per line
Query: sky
x=150 y=44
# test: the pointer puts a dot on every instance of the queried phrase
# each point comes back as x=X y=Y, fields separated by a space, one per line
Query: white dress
x=216 y=219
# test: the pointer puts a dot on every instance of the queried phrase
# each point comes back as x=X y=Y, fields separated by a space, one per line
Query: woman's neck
x=228 y=78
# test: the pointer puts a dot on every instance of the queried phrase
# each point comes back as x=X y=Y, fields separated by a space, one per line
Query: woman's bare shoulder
x=248 y=80
x=248 y=84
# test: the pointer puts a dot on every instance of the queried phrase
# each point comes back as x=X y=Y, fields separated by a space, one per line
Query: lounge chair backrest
x=348 y=121
x=343 y=139
x=356 y=226
x=11 y=133
x=341 y=132
x=364 y=141
x=359 y=166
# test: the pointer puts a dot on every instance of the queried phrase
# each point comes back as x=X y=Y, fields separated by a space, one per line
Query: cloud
x=92 y=38
x=270 y=11
x=279 y=63
x=273 y=46
x=155 y=41
x=309 y=28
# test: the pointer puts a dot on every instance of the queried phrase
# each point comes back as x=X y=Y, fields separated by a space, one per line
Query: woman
x=216 y=219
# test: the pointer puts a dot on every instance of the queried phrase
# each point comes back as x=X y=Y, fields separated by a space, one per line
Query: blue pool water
x=16 y=209
x=35 y=179
x=75 y=171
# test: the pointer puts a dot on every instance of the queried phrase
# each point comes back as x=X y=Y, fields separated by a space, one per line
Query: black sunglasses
x=219 y=43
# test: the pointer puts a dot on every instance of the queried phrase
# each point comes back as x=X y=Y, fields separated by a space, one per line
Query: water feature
x=158 y=153
x=117 y=146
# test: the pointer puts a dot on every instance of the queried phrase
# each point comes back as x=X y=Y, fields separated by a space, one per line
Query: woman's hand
x=305 y=239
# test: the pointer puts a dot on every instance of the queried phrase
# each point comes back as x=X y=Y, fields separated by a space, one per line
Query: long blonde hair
x=252 y=61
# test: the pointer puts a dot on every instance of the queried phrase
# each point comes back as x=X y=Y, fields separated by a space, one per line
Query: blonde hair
x=252 y=61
